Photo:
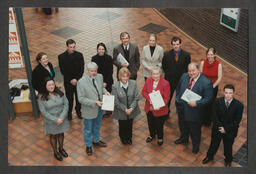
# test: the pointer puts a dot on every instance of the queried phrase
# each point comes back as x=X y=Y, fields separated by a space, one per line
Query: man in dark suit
x=130 y=52
x=71 y=64
x=227 y=114
x=190 y=114
x=175 y=63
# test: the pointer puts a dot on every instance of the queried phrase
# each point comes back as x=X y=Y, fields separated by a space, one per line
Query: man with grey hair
x=130 y=52
x=90 y=92
x=190 y=114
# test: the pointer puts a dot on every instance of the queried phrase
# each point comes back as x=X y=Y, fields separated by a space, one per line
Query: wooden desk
x=24 y=105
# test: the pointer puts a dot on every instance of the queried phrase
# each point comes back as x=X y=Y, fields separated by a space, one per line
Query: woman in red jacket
x=156 y=116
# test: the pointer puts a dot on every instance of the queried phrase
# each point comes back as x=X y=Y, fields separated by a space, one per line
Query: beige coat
x=154 y=60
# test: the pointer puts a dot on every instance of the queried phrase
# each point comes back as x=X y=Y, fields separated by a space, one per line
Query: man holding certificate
x=193 y=93
x=90 y=90
x=156 y=91
x=127 y=55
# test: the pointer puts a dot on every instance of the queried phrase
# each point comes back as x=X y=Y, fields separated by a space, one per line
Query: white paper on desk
x=156 y=99
x=189 y=96
x=121 y=59
x=108 y=103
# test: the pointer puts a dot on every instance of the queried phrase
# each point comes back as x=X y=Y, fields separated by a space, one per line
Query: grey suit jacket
x=121 y=100
x=87 y=95
x=202 y=87
x=154 y=60
x=134 y=58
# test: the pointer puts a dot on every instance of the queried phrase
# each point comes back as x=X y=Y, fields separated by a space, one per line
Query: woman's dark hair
x=39 y=56
x=103 y=45
x=45 y=93
x=211 y=49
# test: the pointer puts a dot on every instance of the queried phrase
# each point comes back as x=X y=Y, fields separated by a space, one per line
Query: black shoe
x=160 y=142
x=100 y=144
x=149 y=139
x=89 y=151
x=129 y=141
x=195 y=151
x=124 y=142
x=227 y=164
x=63 y=153
x=206 y=160
x=106 y=115
x=69 y=116
x=58 y=156
x=181 y=141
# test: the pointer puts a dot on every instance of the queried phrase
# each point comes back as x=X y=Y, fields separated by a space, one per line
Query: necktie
x=93 y=81
x=227 y=104
x=190 y=84
x=176 y=57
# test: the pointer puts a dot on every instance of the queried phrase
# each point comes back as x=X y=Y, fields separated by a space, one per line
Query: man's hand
x=192 y=104
x=99 y=103
x=222 y=130
x=105 y=85
x=107 y=93
x=73 y=82
x=60 y=121
x=149 y=68
x=124 y=65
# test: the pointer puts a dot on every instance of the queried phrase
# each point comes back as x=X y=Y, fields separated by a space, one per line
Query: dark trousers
x=191 y=128
x=70 y=91
x=215 y=142
x=133 y=77
x=125 y=129
x=173 y=85
x=208 y=109
x=155 y=125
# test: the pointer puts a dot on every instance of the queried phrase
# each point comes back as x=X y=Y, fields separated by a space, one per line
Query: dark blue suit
x=190 y=118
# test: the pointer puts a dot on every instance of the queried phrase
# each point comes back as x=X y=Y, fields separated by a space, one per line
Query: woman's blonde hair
x=123 y=71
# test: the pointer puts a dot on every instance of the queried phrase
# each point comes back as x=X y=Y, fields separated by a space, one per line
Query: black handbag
x=14 y=92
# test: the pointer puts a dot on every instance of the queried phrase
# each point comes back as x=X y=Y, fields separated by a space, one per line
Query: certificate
x=108 y=102
x=121 y=59
x=189 y=96
x=156 y=99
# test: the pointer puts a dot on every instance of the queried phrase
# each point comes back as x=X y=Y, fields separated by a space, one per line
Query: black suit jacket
x=173 y=70
x=227 y=118
x=38 y=76
x=71 y=65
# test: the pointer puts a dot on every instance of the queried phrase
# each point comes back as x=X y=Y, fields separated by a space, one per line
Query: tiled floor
x=27 y=145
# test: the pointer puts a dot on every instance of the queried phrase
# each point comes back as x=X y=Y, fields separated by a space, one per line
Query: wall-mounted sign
x=230 y=18
x=15 y=58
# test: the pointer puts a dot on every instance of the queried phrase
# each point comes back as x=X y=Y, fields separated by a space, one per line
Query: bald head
x=193 y=70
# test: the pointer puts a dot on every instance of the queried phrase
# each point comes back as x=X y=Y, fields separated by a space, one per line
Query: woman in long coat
x=53 y=105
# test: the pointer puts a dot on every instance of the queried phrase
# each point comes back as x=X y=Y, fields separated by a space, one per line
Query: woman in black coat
x=42 y=70
x=105 y=67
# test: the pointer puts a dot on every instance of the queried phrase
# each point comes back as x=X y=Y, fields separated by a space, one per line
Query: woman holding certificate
x=126 y=104
x=156 y=90
x=212 y=69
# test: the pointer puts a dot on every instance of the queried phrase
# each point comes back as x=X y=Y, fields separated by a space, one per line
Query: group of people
x=180 y=74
